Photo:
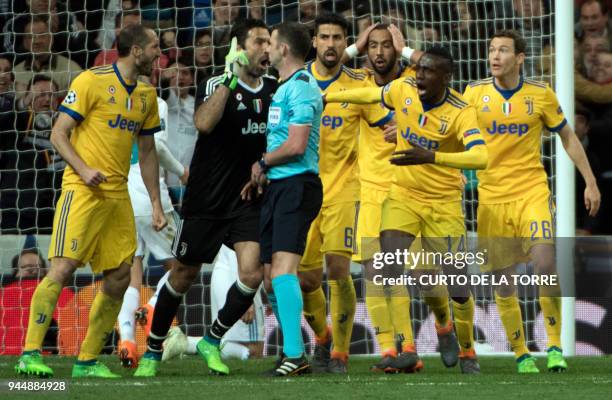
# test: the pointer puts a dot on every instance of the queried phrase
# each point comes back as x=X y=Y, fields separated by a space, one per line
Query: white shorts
x=158 y=243
x=224 y=274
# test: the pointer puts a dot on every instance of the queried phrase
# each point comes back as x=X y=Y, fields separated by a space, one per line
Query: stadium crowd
x=44 y=44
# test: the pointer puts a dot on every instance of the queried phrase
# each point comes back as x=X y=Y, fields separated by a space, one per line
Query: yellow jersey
x=110 y=113
x=450 y=126
x=375 y=170
x=512 y=123
x=339 y=135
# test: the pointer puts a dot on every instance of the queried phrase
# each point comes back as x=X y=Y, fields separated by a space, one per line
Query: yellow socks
x=437 y=300
x=464 y=324
x=102 y=317
x=315 y=312
x=380 y=315
x=551 y=312
x=42 y=306
x=399 y=309
x=342 y=305
x=510 y=314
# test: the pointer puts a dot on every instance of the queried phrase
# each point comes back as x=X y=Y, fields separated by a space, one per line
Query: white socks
x=126 y=318
x=162 y=281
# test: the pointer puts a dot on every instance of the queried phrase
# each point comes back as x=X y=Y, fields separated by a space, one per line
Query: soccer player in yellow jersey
x=332 y=232
x=388 y=306
x=105 y=110
x=437 y=135
x=514 y=198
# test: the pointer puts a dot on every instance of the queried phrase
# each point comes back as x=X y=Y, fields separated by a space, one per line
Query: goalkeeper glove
x=234 y=60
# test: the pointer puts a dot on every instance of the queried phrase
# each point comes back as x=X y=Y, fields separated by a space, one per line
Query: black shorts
x=198 y=240
x=289 y=207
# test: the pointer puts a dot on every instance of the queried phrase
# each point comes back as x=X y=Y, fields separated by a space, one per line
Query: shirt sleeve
x=303 y=102
x=81 y=97
x=389 y=92
x=206 y=89
x=151 y=123
x=552 y=114
x=469 y=95
x=376 y=114
x=468 y=129
x=162 y=108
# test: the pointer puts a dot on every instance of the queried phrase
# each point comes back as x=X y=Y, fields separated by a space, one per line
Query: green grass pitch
x=587 y=378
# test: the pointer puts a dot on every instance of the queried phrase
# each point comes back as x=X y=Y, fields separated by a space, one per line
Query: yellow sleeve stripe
x=457 y=99
x=353 y=74
x=481 y=82
x=108 y=67
x=411 y=81
x=453 y=101
x=539 y=84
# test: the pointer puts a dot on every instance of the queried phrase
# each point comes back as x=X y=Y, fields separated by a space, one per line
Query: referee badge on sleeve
x=274 y=116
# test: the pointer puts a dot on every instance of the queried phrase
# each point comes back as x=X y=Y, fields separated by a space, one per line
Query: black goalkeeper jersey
x=222 y=160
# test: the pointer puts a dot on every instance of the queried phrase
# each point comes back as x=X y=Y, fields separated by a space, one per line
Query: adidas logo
x=241 y=107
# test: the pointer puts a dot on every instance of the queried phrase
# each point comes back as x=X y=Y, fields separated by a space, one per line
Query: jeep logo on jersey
x=510 y=129
x=124 y=123
x=420 y=141
x=333 y=122
x=254 y=127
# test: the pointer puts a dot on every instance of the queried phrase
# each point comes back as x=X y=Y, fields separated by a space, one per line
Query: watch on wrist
x=263 y=165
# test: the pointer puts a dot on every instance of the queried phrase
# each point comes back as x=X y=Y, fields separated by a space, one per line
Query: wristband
x=352 y=51
x=230 y=81
x=407 y=53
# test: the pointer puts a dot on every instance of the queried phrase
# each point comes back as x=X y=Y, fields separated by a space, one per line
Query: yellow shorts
x=508 y=230
x=332 y=231
x=441 y=226
x=93 y=229
x=368 y=223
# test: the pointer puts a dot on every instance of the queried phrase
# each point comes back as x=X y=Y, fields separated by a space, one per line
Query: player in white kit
x=245 y=338
x=159 y=243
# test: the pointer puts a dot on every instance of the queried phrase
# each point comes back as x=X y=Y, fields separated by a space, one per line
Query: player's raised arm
x=368 y=95
x=575 y=151
x=60 y=139
x=212 y=96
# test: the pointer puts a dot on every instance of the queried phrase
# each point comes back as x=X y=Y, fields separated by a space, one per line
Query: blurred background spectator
x=31 y=169
x=7 y=90
x=37 y=42
x=177 y=89
x=106 y=36
x=29 y=267
x=111 y=55
x=203 y=56
x=593 y=20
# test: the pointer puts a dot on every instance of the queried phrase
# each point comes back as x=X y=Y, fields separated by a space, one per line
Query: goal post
x=565 y=172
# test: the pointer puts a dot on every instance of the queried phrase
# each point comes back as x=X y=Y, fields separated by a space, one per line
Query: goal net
x=49 y=43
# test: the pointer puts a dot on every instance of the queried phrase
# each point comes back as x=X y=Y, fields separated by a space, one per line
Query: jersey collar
x=323 y=83
x=128 y=88
x=507 y=93
x=428 y=106
x=290 y=77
